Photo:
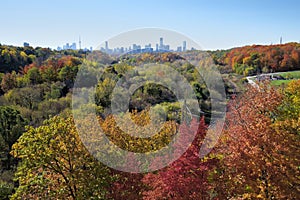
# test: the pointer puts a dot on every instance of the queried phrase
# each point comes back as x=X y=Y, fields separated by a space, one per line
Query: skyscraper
x=161 y=43
x=184 y=46
x=73 y=46
x=106 y=45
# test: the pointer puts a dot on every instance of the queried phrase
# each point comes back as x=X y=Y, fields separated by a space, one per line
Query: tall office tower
x=161 y=43
x=184 y=46
x=106 y=45
x=67 y=46
x=134 y=47
x=280 y=40
x=73 y=46
x=156 y=47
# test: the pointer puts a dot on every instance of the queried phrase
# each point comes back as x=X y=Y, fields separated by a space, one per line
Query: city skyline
x=137 y=48
x=73 y=46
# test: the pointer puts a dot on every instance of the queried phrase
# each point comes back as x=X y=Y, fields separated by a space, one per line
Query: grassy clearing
x=280 y=82
x=291 y=75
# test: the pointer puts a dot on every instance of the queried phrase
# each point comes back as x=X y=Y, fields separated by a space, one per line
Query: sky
x=213 y=24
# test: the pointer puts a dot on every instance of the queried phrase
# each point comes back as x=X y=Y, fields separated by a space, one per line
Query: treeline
x=39 y=90
x=255 y=59
x=13 y=58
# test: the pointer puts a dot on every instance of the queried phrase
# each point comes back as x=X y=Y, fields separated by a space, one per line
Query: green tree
x=11 y=127
x=55 y=91
x=103 y=92
x=6 y=189
x=68 y=74
x=33 y=75
x=28 y=97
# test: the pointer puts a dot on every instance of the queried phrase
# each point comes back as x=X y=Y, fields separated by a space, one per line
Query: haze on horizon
x=212 y=24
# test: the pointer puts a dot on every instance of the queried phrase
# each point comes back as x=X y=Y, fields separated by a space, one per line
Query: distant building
x=67 y=46
x=184 y=46
x=26 y=44
x=72 y=46
x=86 y=49
x=134 y=47
x=167 y=47
x=148 y=46
x=106 y=45
x=161 y=43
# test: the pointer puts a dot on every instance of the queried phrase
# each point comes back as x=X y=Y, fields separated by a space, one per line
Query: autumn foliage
x=56 y=165
x=257 y=162
x=254 y=59
x=256 y=157
x=187 y=177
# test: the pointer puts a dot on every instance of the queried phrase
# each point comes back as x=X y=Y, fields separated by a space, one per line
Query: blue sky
x=214 y=24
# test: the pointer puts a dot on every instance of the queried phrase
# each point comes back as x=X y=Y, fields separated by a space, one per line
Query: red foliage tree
x=187 y=177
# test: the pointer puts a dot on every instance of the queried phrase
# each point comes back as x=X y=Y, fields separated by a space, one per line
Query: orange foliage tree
x=256 y=162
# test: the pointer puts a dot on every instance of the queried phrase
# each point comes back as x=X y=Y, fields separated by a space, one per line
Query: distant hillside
x=255 y=59
x=13 y=58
